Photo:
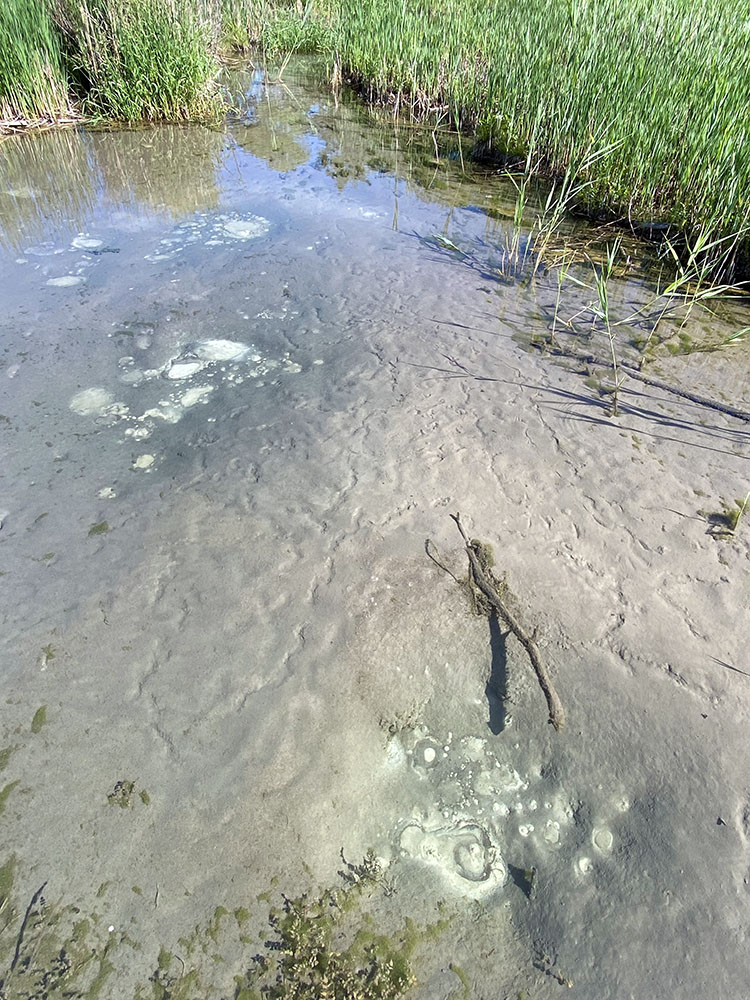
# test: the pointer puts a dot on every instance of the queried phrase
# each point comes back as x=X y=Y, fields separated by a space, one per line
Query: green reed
x=32 y=77
x=143 y=60
x=660 y=84
x=276 y=26
x=139 y=60
x=640 y=106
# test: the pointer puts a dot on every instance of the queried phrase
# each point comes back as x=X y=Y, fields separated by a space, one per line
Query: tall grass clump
x=276 y=26
x=242 y=22
x=661 y=84
x=33 y=84
x=143 y=60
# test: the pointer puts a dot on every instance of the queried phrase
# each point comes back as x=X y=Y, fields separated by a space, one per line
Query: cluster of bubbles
x=478 y=807
x=88 y=247
x=189 y=377
x=210 y=231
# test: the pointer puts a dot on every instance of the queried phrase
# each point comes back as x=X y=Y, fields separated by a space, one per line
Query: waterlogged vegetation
x=321 y=943
x=32 y=74
x=111 y=59
x=134 y=60
x=641 y=104
x=280 y=27
x=642 y=101
x=144 y=61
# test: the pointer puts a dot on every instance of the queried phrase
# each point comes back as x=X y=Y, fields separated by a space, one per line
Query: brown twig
x=554 y=705
x=432 y=552
x=656 y=383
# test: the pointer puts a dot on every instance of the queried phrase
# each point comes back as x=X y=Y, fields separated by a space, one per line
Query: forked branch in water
x=490 y=591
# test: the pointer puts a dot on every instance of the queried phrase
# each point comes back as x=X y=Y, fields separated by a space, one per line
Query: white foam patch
x=552 y=832
x=139 y=433
x=182 y=369
x=395 y=754
x=43 y=250
x=208 y=362
x=66 y=280
x=602 y=840
x=251 y=227
x=91 y=402
x=199 y=394
x=85 y=243
x=195 y=357
x=220 y=350
x=167 y=412
x=464 y=853
x=221 y=230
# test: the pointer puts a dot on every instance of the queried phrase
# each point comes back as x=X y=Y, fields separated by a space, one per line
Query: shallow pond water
x=246 y=373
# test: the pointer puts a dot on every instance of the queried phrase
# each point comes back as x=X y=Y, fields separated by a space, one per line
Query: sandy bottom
x=222 y=465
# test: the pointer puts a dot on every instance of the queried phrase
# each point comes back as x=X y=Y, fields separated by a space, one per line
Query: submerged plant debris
x=322 y=944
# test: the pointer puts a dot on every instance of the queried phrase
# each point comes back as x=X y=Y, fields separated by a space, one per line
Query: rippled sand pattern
x=230 y=421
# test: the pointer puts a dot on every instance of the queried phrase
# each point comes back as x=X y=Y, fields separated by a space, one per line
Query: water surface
x=244 y=376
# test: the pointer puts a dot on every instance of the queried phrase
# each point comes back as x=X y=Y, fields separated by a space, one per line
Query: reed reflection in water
x=54 y=180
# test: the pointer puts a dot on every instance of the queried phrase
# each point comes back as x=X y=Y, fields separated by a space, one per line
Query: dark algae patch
x=322 y=943
x=5 y=795
x=102 y=528
x=328 y=945
x=6 y=881
x=122 y=794
x=49 y=950
x=40 y=718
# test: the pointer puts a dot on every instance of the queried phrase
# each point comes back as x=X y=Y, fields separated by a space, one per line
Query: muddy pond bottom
x=248 y=721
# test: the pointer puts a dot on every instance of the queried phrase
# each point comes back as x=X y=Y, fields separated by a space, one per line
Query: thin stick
x=554 y=705
x=432 y=551
x=656 y=383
